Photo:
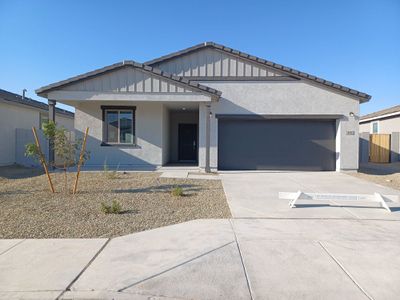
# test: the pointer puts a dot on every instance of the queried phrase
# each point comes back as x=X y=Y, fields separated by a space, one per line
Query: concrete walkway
x=265 y=252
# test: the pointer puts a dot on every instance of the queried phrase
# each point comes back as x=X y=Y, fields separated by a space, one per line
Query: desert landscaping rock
x=30 y=210
x=381 y=175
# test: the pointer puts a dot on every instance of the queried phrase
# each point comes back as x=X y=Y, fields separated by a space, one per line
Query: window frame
x=118 y=109
x=377 y=127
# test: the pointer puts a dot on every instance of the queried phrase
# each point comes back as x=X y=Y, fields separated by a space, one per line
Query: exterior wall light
x=351 y=114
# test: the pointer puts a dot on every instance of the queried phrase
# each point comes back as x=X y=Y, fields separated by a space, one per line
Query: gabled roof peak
x=193 y=85
x=363 y=97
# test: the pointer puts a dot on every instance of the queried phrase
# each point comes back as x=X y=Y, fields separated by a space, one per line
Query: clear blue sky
x=354 y=43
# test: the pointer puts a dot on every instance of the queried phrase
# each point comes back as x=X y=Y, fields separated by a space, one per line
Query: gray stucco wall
x=365 y=127
x=295 y=98
x=149 y=129
x=17 y=116
x=386 y=126
x=23 y=137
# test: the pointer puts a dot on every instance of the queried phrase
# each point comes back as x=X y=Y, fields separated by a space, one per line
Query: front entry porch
x=181 y=135
x=169 y=118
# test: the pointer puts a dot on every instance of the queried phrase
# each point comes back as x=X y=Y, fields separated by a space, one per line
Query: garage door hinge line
x=346 y=272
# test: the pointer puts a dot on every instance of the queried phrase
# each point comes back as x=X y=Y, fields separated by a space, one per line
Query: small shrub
x=110 y=174
x=177 y=191
x=114 y=208
x=113 y=175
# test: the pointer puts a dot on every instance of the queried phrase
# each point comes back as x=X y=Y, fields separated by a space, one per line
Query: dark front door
x=187 y=142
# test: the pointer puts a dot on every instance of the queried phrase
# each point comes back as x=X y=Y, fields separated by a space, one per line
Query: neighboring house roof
x=384 y=113
x=177 y=79
x=13 y=98
x=292 y=72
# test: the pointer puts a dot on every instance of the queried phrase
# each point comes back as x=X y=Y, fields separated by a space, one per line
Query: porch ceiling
x=183 y=106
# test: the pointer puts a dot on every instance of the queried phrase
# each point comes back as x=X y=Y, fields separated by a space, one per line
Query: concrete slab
x=7 y=245
x=131 y=259
x=43 y=295
x=316 y=230
x=367 y=250
x=374 y=265
x=204 y=176
x=91 y=295
x=174 y=174
x=295 y=270
x=216 y=275
x=255 y=195
x=45 y=265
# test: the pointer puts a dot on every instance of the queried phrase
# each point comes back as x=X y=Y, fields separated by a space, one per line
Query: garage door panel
x=276 y=144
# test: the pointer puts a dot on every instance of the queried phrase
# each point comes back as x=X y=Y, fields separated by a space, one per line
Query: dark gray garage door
x=276 y=144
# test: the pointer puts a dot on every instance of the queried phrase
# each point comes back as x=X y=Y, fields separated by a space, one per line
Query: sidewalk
x=212 y=259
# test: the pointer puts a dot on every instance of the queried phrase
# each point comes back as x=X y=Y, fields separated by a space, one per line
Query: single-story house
x=383 y=121
x=20 y=112
x=215 y=107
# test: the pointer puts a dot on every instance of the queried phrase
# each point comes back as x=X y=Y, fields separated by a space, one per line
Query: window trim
x=104 y=137
x=372 y=127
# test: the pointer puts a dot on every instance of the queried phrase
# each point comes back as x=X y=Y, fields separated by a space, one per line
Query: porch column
x=52 y=117
x=208 y=115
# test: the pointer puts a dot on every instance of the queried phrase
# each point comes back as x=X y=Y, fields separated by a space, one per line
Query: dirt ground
x=383 y=174
x=30 y=210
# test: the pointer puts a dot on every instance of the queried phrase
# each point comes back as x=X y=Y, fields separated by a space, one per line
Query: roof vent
x=23 y=93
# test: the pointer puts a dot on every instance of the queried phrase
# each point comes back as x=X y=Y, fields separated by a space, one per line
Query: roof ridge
x=382 y=112
x=17 y=98
x=270 y=64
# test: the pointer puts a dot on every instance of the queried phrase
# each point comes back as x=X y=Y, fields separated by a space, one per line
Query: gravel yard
x=383 y=174
x=30 y=210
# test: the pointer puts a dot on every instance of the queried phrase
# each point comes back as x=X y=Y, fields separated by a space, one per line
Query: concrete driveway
x=266 y=251
x=255 y=195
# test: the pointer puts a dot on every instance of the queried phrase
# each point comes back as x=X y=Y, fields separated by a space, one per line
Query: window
x=119 y=125
x=375 y=127
x=44 y=118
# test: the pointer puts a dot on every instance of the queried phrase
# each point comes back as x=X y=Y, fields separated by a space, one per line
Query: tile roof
x=190 y=84
x=15 y=98
x=382 y=112
x=362 y=96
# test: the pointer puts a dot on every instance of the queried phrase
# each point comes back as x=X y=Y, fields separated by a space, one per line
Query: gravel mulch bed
x=389 y=180
x=30 y=210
